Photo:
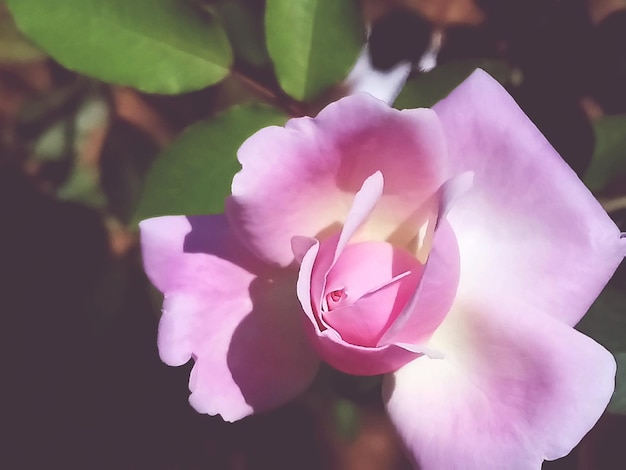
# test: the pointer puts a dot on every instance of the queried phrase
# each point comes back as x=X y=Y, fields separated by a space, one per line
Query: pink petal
x=529 y=232
x=236 y=318
x=300 y=180
x=351 y=359
x=341 y=354
x=365 y=200
x=376 y=281
x=512 y=390
x=432 y=300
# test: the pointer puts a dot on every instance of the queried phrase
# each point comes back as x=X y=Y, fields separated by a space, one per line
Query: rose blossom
x=450 y=249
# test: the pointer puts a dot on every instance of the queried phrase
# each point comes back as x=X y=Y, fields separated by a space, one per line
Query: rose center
x=367 y=288
x=334 y=297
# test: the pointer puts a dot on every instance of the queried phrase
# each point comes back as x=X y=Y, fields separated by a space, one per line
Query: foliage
x=168 y=50
x=193 y=175
x=313 y=43
x=609 y=159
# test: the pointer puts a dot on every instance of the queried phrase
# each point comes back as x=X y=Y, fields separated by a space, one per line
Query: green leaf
x=14 y=47
x=606 y=320
x=245 y=32
x=53 y=143
x=609 y=157
x=347 y=419
x=428 y=88
x=83 y=182
x=606 y=323
x=83 y=186
x=157 y=46
x=618 y=401
x=313 y=43
x=194 y=174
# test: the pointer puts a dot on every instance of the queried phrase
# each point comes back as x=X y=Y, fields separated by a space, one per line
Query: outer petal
x=237 y=319
x=529 y=232
x=511 y=391
x=301 y=179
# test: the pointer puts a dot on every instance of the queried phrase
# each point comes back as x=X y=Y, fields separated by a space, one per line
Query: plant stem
x=278 y=99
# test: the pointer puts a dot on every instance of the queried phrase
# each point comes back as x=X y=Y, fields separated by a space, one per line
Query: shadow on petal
x=218 y=239
x=270 y=358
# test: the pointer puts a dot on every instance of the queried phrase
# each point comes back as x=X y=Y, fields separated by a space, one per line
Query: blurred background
x=84 y=156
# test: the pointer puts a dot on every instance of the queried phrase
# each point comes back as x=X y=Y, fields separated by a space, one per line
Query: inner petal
x=367 y=288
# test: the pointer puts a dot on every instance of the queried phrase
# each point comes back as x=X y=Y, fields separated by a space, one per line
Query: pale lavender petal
x=511 y=390
x=238 y=320
x=529 y=232
x=301 y=180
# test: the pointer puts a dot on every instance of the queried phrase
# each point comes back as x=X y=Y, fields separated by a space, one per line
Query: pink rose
x=450 y=249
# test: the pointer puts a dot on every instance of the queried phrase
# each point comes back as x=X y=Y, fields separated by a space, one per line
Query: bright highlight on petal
x=511 y=390
x=528 y=218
